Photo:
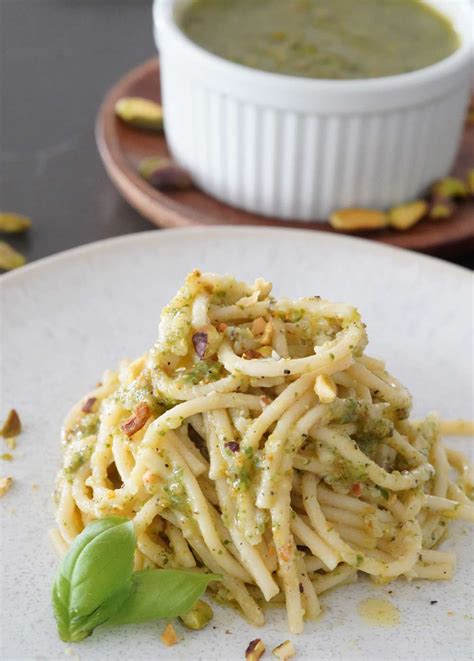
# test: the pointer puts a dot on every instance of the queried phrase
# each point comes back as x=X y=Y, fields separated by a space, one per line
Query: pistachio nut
x=9 y=257
x=352 y=220
x=404 y=216
x=449 y=187
x=254 y=650
x=198 y=617
x=440 y=208
x=284 y=651
x=163 y=174
x=13 y=223
x=12 y=425
x=139 y=112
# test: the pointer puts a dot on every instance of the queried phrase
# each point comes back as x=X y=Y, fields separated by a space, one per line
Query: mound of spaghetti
x=257 y=439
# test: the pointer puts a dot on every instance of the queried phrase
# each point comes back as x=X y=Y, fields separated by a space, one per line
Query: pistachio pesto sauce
x=332 y=39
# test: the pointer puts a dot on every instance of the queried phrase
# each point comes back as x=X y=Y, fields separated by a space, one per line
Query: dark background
x=57 y=60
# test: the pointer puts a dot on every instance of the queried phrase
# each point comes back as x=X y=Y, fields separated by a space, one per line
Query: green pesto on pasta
x=258 y=440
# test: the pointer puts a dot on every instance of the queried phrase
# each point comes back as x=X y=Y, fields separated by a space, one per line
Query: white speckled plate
x=67 y=318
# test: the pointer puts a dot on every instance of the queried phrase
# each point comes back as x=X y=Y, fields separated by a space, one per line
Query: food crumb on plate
x=5 y=485
x=254 y=650
x=285 y=650
x=169 y=637
x=12 y=425
x=379 y=612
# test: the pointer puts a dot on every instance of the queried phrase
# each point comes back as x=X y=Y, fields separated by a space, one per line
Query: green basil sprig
x=159 y=593
x=95 y=583
x=94 y=577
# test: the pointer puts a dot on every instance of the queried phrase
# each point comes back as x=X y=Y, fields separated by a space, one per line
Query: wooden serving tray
x=122 y=148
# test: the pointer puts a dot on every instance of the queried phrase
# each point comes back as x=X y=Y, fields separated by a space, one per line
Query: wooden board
x=122 y=148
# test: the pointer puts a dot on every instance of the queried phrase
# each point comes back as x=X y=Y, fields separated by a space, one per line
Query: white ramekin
x=298 y=148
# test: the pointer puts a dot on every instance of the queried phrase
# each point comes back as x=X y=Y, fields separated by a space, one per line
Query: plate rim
x=157 y=234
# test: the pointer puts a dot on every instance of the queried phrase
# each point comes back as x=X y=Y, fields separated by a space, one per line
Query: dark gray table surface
x=57 y=60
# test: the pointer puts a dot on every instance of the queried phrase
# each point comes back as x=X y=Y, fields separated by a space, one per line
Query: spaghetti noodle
x=257 y=439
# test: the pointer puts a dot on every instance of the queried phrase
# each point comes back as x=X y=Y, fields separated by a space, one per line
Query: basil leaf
x=160 y=593
x=94 y=577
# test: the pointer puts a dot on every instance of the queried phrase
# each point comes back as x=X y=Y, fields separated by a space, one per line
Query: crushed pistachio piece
x=325 y=388
x=12 y=425
x=169 y=637
x=267 y=336
x=6 y=456
x=449 y=187
x=248 y=301
x=254 y=650
x=139 y=112
x=258 y=326
x=9 y=257
x=13 y=223
x=405 y=216
x=352 y=220
x=198 y=617
x=285 y=650
x=137 y=420
x=5 y=485
x=263 y=287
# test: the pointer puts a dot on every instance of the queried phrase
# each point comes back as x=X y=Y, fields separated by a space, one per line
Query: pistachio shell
x=355 y=219
x=10 y=258
x=13 y=223
x=449 y=187
x=139 y=112
x=406 y=215
x=163 y=174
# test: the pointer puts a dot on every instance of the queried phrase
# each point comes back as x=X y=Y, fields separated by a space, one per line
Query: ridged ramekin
x=299 y=148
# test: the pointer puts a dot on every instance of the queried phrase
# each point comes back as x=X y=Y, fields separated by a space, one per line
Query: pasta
x=257 y=439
